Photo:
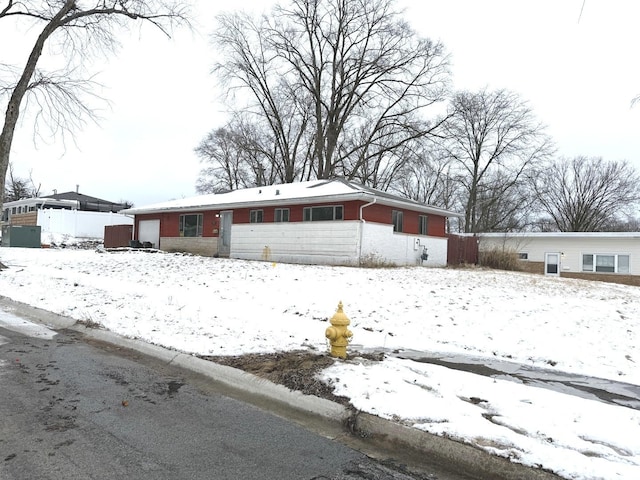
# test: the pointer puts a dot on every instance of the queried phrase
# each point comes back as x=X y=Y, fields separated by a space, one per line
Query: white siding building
x=575 y=254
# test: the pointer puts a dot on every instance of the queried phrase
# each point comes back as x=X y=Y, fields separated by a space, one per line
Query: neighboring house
x=591 y=255
x=317 y=222
x=69 y=214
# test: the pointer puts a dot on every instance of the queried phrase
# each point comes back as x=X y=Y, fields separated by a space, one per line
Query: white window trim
x=254 y=214
x=426 y=224
x=616 y=268
x=397 y=216
x=199 y=224
x=310 y=210
x=282 y=212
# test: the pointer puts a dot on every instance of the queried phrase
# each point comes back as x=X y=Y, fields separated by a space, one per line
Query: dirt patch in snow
x=296 y=370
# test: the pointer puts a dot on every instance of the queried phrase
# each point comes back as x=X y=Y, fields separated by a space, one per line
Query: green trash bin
x=21 y=236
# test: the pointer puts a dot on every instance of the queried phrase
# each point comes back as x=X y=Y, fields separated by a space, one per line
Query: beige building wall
x=206 y=246
x=571 y=246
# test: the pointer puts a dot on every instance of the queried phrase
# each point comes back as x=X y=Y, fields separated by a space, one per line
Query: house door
x=552 y=264
x=224 y=239
x=149 y=231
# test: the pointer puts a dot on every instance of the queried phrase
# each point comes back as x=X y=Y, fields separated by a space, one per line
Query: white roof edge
x=42 y=200
x=561 y=234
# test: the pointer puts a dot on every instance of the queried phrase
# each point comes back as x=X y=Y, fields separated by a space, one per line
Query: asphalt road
x=73 y=408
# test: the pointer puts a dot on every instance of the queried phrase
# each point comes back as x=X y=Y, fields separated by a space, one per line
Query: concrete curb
x=470 y=459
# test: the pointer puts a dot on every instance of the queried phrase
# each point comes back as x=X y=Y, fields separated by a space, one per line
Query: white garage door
x=149 y=231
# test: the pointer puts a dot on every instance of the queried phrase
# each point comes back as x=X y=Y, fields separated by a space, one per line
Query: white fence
x=58 y=224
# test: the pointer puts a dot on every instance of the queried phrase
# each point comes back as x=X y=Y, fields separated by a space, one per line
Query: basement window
x=318 y=214
x=605 y=263
x=191 y=225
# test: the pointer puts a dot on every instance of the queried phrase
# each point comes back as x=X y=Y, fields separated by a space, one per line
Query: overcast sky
x=577 y=67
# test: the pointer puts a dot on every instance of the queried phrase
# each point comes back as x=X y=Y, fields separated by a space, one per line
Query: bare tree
x=18 y=188
x=586 y=194
x=493 y=139
x=80 y=28
x=504 y=203
x=342 y=84
x=249 y=66
x=225 y=154
x=624 y=223
x=428 y=177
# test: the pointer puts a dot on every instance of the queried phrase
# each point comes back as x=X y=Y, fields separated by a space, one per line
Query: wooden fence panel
x=462 y=249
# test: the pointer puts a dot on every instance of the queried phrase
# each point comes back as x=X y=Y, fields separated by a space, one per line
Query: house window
x=396 y=219
x=281 y=215
x=623 y=264
x=523 y=256
x=255 y=216
x=317 y=214
x=422 y=224
x=191 y=225
x=605 y=263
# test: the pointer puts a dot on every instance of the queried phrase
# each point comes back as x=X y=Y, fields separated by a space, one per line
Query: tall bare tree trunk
x=13 y=108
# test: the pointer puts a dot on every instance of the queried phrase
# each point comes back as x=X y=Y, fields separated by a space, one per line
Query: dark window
x=523 y=256
x=605 y=263
x=396 y=219
x=191 y=225
x=255 y=216
x=422 y=224
x=318 y=214
x=281 y=215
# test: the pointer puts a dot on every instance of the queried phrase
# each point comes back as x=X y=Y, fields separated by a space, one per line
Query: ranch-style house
x=334 y=222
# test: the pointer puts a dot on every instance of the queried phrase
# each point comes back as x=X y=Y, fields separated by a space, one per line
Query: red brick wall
x=169 y=222
x=351 y=211
x=382 y=214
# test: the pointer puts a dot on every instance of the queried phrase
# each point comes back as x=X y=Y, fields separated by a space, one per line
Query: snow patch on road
x=30 y=329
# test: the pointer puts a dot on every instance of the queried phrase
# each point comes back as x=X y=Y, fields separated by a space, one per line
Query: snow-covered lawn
x=228 y=307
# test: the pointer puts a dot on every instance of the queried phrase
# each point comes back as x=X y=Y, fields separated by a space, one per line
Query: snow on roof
x=42 y=202
x=319 y=190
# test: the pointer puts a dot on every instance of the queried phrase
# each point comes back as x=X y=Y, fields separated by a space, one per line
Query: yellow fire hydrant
x=338 y=334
